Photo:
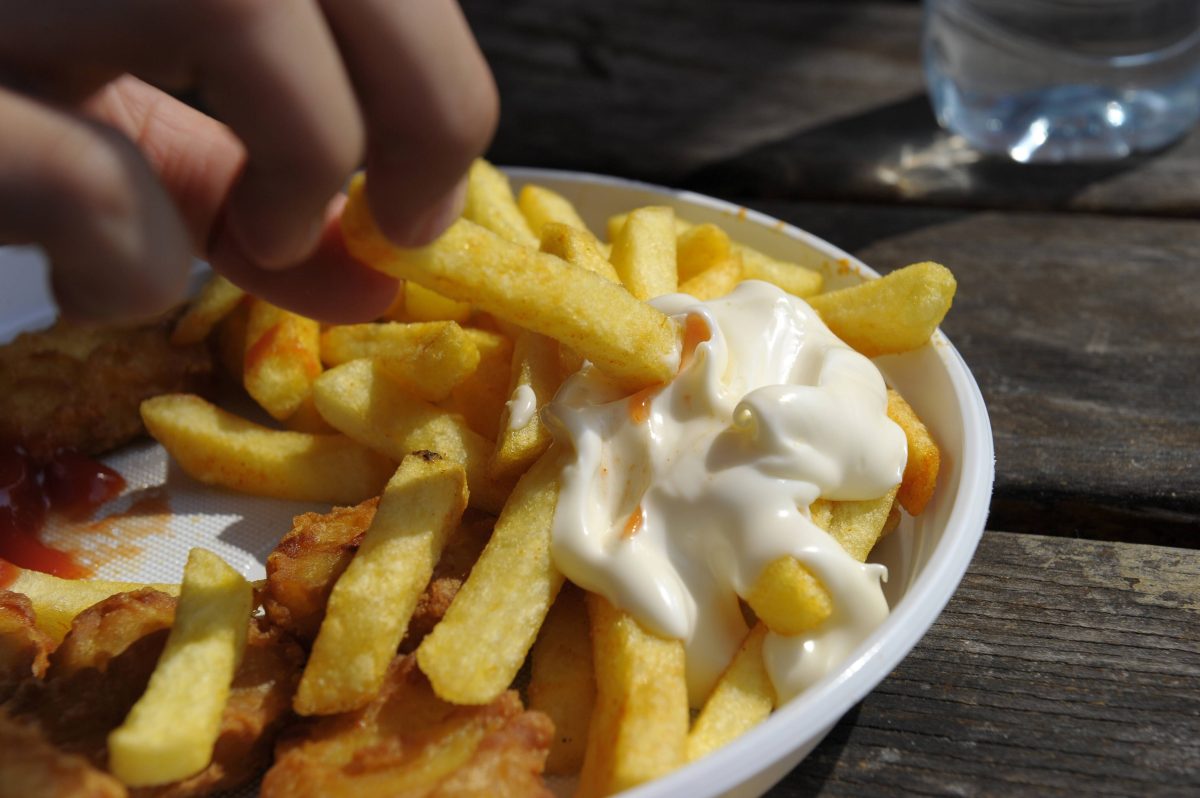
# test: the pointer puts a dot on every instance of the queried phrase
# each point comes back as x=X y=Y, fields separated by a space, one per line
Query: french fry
x=306 y=419
x=742 y=698
x=562 y=683
x=359 y=399
x=536 y=377
x=791 y=277
x=699 y=248
x=170 y=732
x=788 y=598
x=469 y=657
x=422 y=304
x=215 y=301
x=428 y=358
x=896 y=313
x=716 y=281
x=219 y=448
x=231 y=340
x=639 y=726
x=643 y=252
x=282 y=358
x=541 y=206
x=490 y=204
x=481 y=396
x=856 y=525
x=634 y=343
x=578 y=248
x=374 y=598
x=57 y=601
x=924 y=457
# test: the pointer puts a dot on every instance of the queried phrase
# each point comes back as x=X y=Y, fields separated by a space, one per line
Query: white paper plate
x=926 y=557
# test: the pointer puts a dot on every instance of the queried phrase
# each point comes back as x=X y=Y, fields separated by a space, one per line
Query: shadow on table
x=810 y=775
x=897 y=152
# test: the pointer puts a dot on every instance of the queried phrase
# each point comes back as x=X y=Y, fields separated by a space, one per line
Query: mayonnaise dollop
x=674 y=499
x=522 y=406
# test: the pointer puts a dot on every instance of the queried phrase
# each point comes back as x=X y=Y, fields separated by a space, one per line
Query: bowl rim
x=822 y=705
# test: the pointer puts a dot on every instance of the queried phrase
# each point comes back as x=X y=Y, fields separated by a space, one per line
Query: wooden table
x=1068 y=662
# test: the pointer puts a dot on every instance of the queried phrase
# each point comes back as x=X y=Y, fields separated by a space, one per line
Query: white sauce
x=674 y=500
x=521 y=407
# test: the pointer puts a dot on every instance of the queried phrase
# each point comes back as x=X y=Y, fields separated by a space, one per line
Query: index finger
x=429 y=103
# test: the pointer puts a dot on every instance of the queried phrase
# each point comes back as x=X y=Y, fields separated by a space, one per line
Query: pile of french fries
x=418 y=408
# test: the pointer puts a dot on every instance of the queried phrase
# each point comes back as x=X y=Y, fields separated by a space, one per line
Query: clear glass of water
x=1051 y=81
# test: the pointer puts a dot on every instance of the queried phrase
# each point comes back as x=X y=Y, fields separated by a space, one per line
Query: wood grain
x=1058 y=668
x=771 y=98
x=1082 y=333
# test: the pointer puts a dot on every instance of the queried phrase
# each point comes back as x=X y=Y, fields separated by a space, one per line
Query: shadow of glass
x=897 y=152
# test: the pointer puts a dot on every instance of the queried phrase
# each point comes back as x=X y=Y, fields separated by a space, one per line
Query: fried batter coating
x=80 y=387
x=30 y=767
x=408 y=743
x=303 y=568
x=24 y=648
x=102 y=668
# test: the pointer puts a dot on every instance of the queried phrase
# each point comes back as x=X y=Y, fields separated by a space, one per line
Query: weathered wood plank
x=769 y=98
x=1082 y=332
x=1060 y=667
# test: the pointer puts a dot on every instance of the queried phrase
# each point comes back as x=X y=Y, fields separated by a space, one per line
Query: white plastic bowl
x=926 y=557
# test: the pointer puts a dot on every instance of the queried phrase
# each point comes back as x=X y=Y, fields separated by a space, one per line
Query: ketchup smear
x=71 y=484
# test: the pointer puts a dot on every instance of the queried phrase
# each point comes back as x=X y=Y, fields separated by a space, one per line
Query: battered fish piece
x=30 y=767
x=80 y=387
x=303 y=568
x=408 y=743
x=102 y=668
x=24 y=648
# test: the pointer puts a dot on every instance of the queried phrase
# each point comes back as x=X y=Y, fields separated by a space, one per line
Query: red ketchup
x=71 y=484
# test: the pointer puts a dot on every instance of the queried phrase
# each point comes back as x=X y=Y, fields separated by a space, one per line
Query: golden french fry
x=643 y=252
x=427 y=358
x=640 y=723
x=282 y=358
x=856 y=525
x=742 y=699
x=57 y=601
x=700 y=248
x=422 y=304
x=536 y=377
x=215 y=301
x=374 y=598
x=896 y=313
x=541 y=206
x=359 y=399
x=788 y=598
x=924 y=457
x=716 y=281
x=578 y=248
x=561 y=682
x=632 y=342
x=305 y=418
x=469 y=657
x=219 y=448
x=481 y=396
x=231 y=340
x=490 y=204
x=791 y=277
x=170 y=732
